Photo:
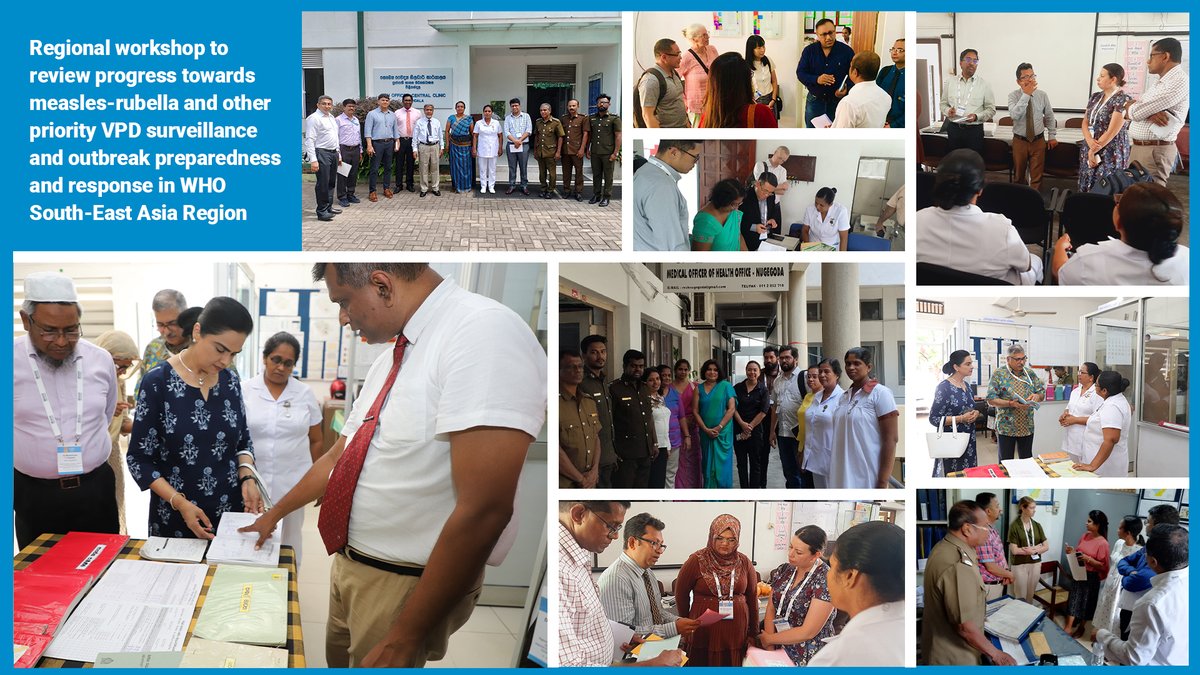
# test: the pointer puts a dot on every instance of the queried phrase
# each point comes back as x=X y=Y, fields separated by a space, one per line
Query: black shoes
x=595 y=198
x=324 y=216
x=604 y=202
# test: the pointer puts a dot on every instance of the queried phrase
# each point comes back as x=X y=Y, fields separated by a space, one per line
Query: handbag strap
x=697 y=57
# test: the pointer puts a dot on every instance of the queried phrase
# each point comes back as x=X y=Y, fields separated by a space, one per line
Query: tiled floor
x=488 y=639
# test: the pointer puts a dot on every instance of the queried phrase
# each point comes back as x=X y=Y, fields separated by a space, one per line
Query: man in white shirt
x=518 y=127
x=967 y=102
x=787 y=393
x=866 y=106
x=1158 y=116
x=427 y=492
x=427 y=150
x=324 y=157
x=774 y=164
x=660 y=214
x=1158 y=632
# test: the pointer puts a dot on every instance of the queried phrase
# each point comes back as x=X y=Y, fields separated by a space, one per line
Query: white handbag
x=944 y=445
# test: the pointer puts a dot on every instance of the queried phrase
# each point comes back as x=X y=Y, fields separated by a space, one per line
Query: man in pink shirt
x=406 y=121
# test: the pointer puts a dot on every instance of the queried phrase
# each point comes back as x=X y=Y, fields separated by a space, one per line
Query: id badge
x=782 y=625
x=725 y=608
x=70 y=460
x=1035 y=557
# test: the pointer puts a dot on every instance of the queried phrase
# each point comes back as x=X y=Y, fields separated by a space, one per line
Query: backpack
x=638 y=161
x=1120 y=181
x=638 y=120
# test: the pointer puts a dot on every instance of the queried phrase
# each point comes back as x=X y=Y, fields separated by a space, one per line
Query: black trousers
x=1021 y=446
x=42 y=506
x=632 y=473
x=787 y=458
x=327 y=164
x=965 y=136
x=605 y=480
x=352 y=155
x=658 y=470
x=406 y=164
x=383 y=155
x=753 y=456
x=1126 y=618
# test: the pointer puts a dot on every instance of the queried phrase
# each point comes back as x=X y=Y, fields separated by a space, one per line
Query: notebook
x=247 y=605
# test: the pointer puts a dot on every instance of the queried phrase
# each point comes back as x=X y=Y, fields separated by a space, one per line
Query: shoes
x=353 y=200
x=595 y=198
x=373 y=196
x=604 y=202
x=546 y=195
x=492 y=189
x=578 y=196
x=437 y=193
x=324 y=216
x=510 y=189
x=344 y=202
x=387 y=192
x=424 y=193
x=568 y=194
x=333 y=210
x=410 y=189
x=525 y=191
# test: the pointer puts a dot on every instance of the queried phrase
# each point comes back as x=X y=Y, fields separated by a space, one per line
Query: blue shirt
x=380 y=125
x=891 y=80
x=1135 y=572
x=814 y=63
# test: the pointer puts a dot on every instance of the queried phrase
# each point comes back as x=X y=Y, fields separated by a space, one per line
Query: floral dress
x=192 y=443
x=1114 y=156
x=949 y=400
x=799 y=600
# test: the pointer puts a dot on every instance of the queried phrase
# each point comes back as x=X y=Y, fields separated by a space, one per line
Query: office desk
x=287 y=560
x=1005 y=133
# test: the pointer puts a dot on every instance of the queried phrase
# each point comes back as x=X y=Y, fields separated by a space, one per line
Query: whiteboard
x=687 y=528
x=1053 y=346
x=1059 y=46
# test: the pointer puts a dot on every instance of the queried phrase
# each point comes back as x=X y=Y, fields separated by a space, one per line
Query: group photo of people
x=1098 y=577
x=766 y=70
x=817 y=403
x=181 y=393
x=768 y=196
x=1060 y=387
x=440 y=132
x=1062 y=162
x=729 y=584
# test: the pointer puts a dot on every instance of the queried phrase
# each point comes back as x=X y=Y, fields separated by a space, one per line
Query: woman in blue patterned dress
x=189 y=430
x=953 y=405
x=458 y=144
x=1105 y=147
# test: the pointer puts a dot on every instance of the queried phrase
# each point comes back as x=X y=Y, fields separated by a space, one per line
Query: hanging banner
x=733 y=278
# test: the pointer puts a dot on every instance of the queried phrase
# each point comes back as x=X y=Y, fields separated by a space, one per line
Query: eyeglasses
x=897 y=49
x=1018 y=359
x=695 y=158
x=825 y=34
x=280 y=361
x=656 y=545
x=970 y=60
x=672 y=53
x=1154 y=54
x=725 y=540
x=612 y=529
x=166 y=326
x=70 y=333
x=1031 y=76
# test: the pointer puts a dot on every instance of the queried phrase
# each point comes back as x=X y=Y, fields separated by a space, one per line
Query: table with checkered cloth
x=287 y=560
x=1040 y=462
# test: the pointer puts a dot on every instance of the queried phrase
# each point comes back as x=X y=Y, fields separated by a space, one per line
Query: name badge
x=1035 y=557
x=725 y=609
x=782 y=625
x=70 y=460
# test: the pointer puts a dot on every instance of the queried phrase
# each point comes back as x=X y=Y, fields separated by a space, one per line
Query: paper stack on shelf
x=85 y=554
x=247 y=605
x=237 y=548
x=170 y=549
x=201 y=653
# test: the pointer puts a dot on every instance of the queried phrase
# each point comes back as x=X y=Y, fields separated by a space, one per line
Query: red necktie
x=334 y=519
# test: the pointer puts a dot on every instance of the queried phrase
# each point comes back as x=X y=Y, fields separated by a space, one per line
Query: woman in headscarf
x=720 y=579
x=125 y=356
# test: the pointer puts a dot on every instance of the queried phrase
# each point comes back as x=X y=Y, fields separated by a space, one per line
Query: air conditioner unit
x=703 y=310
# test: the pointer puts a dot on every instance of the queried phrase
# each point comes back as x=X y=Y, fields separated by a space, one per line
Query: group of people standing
x=698 y=87
x=654 y=427
x=396 y=144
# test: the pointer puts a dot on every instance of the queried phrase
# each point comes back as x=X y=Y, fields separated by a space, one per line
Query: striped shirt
x=623 y=594
x=992 y=551
x=584 y=636
x=1170 y=95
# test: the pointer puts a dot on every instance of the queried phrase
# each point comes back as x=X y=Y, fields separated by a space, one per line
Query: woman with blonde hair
x=1026 y=544
x=125 y=356
x=693 y=68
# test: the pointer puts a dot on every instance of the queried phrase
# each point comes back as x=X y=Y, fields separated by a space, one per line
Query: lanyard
x=662 y=166
x=1026 y=379
x=732 y=577
x=1029 y=534
x=41 y=386
x=788 y=612
x=964 y=100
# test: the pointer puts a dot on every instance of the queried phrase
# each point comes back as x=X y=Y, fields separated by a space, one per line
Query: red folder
x=33 y=646
x=989 y=471
x=42 y=602
x=80 y=554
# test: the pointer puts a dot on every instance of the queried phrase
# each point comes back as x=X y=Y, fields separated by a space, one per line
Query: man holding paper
x=1015 y=391
x=824 y=70
x=967 y=102
x=628 y=588
x=419 y=489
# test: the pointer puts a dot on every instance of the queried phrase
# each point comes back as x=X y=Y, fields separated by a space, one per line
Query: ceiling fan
x=1015 y=312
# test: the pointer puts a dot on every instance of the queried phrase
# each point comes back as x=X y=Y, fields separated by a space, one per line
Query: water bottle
x=1097 y=653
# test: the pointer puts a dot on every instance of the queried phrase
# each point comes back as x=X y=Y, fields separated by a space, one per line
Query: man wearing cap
x=64 y=395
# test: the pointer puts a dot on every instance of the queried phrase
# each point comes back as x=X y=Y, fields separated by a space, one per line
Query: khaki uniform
x=954 y=595
x=602 y=139
x=546 y=135
x=594 y=386
x=572 y=165
x=634 y=438
x=578 y=432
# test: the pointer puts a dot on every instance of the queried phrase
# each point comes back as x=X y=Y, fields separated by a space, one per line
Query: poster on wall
x=768 y=25
x=726 y=24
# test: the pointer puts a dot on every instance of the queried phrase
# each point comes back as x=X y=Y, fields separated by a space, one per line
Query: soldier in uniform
x=578 y=426
x=955 y=600
x=548 y=138
x=634 y=437
x=575 y=127
x=603 y=144
x=595 y=356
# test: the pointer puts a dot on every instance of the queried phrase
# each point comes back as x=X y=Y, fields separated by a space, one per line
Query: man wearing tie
x=427 y=150
x=406 y=122
x=419 y=489
x=1032 y=115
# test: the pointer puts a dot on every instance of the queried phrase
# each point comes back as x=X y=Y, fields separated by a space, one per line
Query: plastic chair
x=936 y=146
x=925 y=181
x=929 y=274
x=1087 y=218
x=1022 y=205
x=857 y=241
x=796 y=230
x=1005 y=121
x=997 y=156
x=1074 y=123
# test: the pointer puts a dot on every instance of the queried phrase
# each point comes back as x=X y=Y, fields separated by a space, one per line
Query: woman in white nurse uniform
x=1106 y=438
x=1082 y=404
x=826 y=221
x=865 y=429
x=818 y=422
x=285 y=426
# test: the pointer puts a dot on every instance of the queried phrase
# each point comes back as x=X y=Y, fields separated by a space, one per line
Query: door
x=724 y=159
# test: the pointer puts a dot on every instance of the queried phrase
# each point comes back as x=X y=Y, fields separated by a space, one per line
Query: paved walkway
x=463 y=222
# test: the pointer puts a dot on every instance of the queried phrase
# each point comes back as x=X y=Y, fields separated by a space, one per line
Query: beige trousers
x=427 y=166
x=1025 y=581
x=1158 y=160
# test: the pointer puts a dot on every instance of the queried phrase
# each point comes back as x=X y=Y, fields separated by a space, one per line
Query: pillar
x=794 y=329
x=840 y=328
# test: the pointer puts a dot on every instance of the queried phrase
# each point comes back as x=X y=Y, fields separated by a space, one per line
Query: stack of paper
x=231 y=546
x=138 y=660
x=201 y=653
x=85 y=554
x=137 y=606
x=1012 y=620
x=653 y=646
x=1067 y=470
x=1023 y=468
x=247 y=605
x=41 y=602
x=165 y=549
x=763 y=658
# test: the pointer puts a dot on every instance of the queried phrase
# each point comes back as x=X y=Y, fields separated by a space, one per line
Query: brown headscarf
x=713 y=563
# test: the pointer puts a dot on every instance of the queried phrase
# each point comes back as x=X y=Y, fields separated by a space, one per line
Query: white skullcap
x=50 y=287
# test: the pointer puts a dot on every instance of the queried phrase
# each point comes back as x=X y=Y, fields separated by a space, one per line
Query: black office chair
x=936 y=146
x=929 y=274
x=1022 y=205
x=997 y=156
x=1062 y=161
x=925 y=181
x=1087 y=218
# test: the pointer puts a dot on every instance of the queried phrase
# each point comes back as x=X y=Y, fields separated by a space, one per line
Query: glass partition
x=1165 y=362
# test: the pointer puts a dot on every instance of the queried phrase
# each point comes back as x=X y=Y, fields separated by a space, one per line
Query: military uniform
x=603 y=132
x=633 y=433
x=572 y=159
x=954 y=594
x=593 y=386
x=578 y=432
x=547 y=134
